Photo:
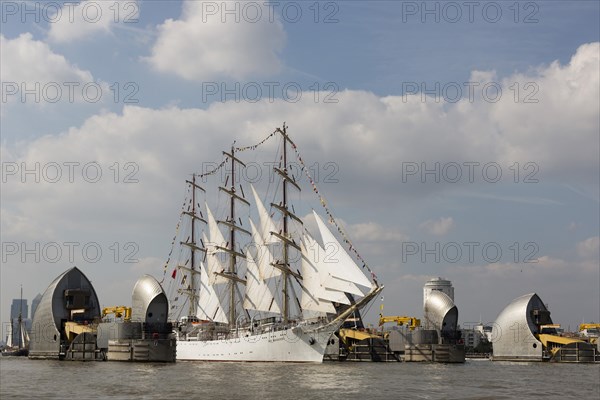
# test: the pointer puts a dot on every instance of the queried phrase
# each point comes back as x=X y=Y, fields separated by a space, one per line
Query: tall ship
x=20 y=347
x=250 y=282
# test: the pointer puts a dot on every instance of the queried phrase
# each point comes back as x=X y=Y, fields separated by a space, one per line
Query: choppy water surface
x=23 y=378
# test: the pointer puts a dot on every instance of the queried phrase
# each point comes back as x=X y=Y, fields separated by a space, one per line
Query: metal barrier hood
x=513 y=333
x=440 y=312
x=149 y=302
x=70 y=296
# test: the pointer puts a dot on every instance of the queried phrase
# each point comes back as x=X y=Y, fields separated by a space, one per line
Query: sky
x=452 y=139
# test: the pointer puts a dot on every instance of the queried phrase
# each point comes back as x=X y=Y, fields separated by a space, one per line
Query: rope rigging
x=303 y=169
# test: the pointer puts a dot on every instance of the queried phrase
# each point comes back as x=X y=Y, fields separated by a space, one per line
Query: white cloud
x=27 y=60
x=360 y=134
x=374 y=232
x=542 y=132
x=438 y=227
x=589 y=248
x=32 y=74
x=367 y=123
x=200 y=46
x=81 y=20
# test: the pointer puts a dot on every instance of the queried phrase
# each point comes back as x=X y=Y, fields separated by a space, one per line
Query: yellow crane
x=589 y=326
x=118 y=311
x=411 y=322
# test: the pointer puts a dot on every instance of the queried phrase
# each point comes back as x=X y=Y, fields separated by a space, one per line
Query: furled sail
x=343 y=267
x=209 y=306
x=258 y=294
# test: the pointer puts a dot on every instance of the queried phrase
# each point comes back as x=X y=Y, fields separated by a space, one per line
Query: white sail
x=9 y=337
x=342 y=265
x=216 y=236
x=332 y=289
x=24 y=335
x=266 y=223
x=331 y=276
x=312 y=290
x=212 y=252
x=263 y=256
x=209 y=306
x=236 y=295
x=258 y=294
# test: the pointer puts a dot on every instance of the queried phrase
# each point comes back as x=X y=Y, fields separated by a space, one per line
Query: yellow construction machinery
x=583 y=327
x=553 y=343
x=411 y=322
x=346 y=334
x=118 y=311
x=592 y=331
x=72 y=329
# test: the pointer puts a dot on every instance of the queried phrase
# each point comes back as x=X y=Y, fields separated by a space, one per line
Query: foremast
x=192 y=291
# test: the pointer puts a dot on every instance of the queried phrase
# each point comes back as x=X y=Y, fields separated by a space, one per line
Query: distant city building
x=484 y=331
x=34 y=304
x=473 y=337
x=19 y=306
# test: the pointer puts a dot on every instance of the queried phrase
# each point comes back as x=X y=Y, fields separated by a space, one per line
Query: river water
x=477 y=379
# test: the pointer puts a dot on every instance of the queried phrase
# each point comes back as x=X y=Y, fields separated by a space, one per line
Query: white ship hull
x=298 y=344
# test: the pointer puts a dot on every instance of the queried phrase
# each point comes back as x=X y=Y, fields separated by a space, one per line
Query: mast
x=192 y=310
x=230 y=222
x=284 y=236
x=233 y=257
x=192 y=258
x=193 y=247
x=286 y=296
x=20 y=316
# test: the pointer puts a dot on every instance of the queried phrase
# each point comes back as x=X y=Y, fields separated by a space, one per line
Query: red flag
x=174 y=273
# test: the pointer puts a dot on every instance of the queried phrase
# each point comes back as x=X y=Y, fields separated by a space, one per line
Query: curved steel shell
x=440 y=312
x=513 y=333
x=149 y=302
x=55 y=307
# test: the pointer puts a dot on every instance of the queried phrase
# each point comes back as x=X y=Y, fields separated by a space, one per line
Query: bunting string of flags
x=254 y=146
x=332 y=220
x=213 y=171
x=166 y=266
x=315 y=189
x=187 y=202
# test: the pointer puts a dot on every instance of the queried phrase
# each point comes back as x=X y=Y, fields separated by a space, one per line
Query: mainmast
x=231 y=272
x=285 y=237
x=193 y=247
